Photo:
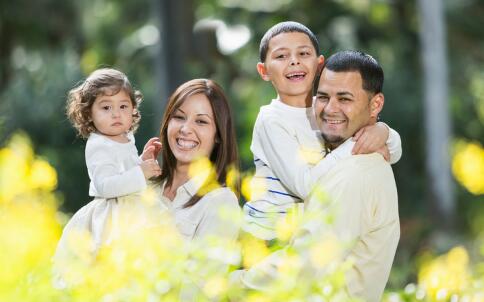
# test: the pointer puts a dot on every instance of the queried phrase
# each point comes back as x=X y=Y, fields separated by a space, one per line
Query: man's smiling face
x=342 y=106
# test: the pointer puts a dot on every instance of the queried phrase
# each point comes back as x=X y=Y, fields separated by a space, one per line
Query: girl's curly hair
x=104 y=81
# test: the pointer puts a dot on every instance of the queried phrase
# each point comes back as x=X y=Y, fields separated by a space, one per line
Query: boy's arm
x=394 y=144
x=283 y=156
x=372 y=138
x=105 y=176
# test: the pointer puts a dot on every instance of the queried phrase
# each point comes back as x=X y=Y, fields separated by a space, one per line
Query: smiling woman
x=197 y=124
x=199 y=153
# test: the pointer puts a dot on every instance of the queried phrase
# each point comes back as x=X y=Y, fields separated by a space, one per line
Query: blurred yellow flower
x=42 y=176
x=215 y=286
x=326 y=251
x=203 y=173
x=253 y=187
x=310 y=156
x=233 y=175
x=285 y=227
x=253 y=250
x=468 y=166
x=446 y=275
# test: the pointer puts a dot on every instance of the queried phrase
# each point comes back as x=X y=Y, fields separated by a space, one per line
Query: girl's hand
x=370 y=139
x=151 y=149
x=150 y=168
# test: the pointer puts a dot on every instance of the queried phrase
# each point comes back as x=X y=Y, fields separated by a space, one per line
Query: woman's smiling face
x=192 y=130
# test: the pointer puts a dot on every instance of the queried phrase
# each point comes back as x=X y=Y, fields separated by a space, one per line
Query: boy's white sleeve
x=283 y=156
x=394 y=144
x=108 y=182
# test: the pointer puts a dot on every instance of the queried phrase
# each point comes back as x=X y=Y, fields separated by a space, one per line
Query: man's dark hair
x=285 y=27
x=351 y=60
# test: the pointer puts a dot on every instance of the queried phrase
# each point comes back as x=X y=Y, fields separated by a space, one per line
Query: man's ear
x=262 y=70
x=320 y=63
x=376 y=104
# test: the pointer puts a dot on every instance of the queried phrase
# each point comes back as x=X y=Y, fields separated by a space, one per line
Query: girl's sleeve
x=105 y=176
x=283 y=156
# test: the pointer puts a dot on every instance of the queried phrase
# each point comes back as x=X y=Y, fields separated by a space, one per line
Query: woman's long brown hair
x=224 y=155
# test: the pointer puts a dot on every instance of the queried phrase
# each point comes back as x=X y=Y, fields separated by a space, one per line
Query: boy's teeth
x=296 y=75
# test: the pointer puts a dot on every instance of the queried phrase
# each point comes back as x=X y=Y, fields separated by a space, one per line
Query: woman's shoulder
x=223 y=196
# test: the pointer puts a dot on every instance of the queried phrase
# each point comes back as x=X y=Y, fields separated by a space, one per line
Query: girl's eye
x=178 y=117
x=124 y=106
x=106 y=107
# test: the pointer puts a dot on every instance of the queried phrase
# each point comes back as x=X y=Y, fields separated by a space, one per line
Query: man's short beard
x=332 y=141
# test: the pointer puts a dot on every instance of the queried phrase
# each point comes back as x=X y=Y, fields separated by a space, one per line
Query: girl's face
x=112 y=115
x=191 y=130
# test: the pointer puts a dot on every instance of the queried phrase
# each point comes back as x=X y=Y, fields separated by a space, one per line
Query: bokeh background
x=432 y=53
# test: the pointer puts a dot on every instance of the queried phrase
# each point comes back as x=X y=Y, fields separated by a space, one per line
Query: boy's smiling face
x=291 y=65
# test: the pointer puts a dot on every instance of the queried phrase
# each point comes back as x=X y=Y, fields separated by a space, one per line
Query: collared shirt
x=364 y=201
x=217 y=213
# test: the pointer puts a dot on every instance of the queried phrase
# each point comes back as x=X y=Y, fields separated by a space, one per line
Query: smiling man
x=349 y=96
x=361 y=188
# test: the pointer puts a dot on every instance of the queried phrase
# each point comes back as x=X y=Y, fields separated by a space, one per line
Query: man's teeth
x=335 y=121
x=188 y=144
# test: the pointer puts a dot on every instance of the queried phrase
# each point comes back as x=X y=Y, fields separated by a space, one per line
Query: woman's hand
x=370 y=139
x=151 y=149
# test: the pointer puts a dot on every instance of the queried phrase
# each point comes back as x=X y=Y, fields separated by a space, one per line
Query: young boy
x=289 y=152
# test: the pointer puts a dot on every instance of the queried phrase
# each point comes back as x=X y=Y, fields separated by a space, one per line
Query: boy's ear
x=376 y=104
x=261 y=69
x=320 y=63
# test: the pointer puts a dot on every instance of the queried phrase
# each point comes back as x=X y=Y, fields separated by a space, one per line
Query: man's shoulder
x=359 y=169
x=369 y=163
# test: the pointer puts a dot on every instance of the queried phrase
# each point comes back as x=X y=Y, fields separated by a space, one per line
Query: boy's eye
x=305 y=53
x=280 y=56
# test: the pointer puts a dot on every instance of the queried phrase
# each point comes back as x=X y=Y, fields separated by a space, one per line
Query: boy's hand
x=150 y=168
x=370 y=139
x=384 y=152
x=151 y=149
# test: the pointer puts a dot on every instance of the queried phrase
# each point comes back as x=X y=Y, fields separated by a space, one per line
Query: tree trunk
x=436 y=114
x=176 y=36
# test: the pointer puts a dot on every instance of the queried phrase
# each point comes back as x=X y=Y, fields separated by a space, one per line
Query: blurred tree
x=437 y=124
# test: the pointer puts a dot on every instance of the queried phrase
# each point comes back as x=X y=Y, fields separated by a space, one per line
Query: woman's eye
x=178 y=117
x=202 y=122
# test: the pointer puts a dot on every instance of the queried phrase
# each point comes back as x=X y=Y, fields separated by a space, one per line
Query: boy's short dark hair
x=352 y=60
x=285 y=27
